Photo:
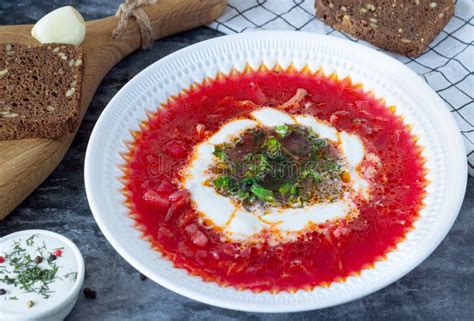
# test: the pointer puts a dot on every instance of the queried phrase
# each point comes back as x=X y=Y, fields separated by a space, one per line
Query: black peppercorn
x=2 y=291
x=52 y=257
x=38 y=259
x=89 y=293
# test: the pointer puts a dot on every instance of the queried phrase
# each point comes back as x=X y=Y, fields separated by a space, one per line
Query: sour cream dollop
x=285 y=224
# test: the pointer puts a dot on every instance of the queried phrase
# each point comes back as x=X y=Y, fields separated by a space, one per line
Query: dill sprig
x=71 y=275
x=28 y=275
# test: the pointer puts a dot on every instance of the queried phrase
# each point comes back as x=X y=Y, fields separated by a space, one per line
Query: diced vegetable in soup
x=274 y=181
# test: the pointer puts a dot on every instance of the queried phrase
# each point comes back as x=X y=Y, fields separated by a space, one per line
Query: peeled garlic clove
x=63 y=25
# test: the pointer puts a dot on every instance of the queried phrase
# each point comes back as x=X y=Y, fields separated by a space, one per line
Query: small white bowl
x=58 y=306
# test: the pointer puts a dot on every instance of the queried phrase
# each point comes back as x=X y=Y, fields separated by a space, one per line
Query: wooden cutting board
x=24 y=164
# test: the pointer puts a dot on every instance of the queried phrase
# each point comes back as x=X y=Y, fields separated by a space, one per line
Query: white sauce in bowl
x=35 y=297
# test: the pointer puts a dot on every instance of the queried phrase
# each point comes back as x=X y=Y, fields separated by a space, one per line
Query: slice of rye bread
x=403 y=26
x=39 y=90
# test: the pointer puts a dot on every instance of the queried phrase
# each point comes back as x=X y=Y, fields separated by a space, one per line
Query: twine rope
x=134 y=8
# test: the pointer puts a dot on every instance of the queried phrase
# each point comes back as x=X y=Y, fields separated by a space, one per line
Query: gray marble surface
x=441 y=288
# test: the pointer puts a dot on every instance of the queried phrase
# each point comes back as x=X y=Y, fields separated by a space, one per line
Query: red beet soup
x=323 y=252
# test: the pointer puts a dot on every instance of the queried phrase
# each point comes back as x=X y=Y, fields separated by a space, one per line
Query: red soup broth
x=164 y=213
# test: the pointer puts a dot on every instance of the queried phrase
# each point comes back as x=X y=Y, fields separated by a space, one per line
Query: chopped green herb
x=312 y=173
x=29 y=274
x=282 y=130
x=243 y=194
x=71 y=276
x=273 y=147
x=263 y=166
x=287 y=165
x=294 y=191
x=262 y=193
x=223 y=182
x=219 y=153
x=30 y=240
x=317 y=177
x=285 y=188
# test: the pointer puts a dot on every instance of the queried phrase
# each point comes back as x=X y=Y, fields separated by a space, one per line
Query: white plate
x=415 y=101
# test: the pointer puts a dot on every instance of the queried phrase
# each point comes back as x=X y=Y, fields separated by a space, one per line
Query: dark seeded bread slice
x=403 y=26
x=39 y=90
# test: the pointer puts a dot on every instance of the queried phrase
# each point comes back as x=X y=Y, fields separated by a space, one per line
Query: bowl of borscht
x=275 y=171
